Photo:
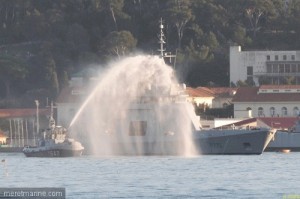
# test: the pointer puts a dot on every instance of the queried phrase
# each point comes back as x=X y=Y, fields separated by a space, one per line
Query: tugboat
x=54 y=143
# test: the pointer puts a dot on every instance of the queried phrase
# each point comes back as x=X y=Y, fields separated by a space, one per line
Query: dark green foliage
x=48 y=40
x=210 y=113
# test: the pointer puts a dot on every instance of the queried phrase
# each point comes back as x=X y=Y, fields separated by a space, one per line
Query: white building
x=267 y=101
x=264 y=67
x=214 y=97
x=72 y=97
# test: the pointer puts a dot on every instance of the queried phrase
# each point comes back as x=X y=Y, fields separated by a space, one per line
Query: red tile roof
x=220 y=90
x=279 y=122
x=199 y=92
x=250 y=94
x=210 y=92
x=11 y=113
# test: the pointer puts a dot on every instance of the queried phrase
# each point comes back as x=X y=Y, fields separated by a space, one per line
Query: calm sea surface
x=271 y=175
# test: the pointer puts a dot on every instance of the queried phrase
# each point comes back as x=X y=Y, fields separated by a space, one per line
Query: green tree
x=179 y=13
x=119 y=43
x=11 y=70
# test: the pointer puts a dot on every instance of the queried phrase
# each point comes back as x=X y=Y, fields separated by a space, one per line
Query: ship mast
x=162 y=42
x=161 y=39
x=51 y=119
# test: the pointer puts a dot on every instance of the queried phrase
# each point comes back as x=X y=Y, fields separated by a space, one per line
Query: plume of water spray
x=136 y=93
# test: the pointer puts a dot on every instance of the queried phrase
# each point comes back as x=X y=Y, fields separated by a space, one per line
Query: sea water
x=270 y=175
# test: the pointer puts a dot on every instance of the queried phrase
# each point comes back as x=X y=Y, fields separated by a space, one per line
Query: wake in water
x=137 y=108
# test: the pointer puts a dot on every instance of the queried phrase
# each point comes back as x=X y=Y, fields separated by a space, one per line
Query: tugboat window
x=137 y=128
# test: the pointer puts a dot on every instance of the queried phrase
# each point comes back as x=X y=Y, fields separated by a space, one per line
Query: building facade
x=264 y=67
x=267 y=101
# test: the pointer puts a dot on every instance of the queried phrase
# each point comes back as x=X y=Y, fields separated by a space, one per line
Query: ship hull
x=11 y=149
x=285 y=141
x=54 y=153
x=206 y=142
x=233 y=142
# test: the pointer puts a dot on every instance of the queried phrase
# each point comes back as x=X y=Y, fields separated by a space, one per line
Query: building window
x=283 y=111
x=296 y=111
x=284 y=57
x=268 y=57
x=249 y=70
x=272 y=111
x=260 y=112
x=269 y=68
x=281 y=68
x=276 y=57
x=275 y=68
x=298 y=68
x=293 y=57
x=287 y=68
x=294 y=68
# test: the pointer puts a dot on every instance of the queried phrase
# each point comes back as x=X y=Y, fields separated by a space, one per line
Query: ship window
x=272 y=111
x=137 y=128
x=284 y=111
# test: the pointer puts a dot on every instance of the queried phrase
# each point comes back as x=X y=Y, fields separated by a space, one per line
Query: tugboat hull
x=54 y=153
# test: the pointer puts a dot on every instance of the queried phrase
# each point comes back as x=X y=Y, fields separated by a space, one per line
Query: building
x=267 y=101
x=264 y=67
x=200 y=96
x=214 y=97
x=72 y=97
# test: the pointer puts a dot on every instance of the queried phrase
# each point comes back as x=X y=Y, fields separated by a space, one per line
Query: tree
x=179 y=14
x=119 y=43
x=240 y=36
x=11 y=69
x=43 y=74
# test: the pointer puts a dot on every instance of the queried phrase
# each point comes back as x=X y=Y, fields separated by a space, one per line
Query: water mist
x=137 y=108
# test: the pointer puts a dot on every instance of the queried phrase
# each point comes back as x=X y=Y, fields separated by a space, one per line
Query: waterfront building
x=264 y=67
x=267 y=101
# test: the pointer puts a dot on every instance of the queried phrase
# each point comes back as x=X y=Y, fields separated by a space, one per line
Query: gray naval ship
x=286 y=141
x=162 y=121
x=166 y=124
